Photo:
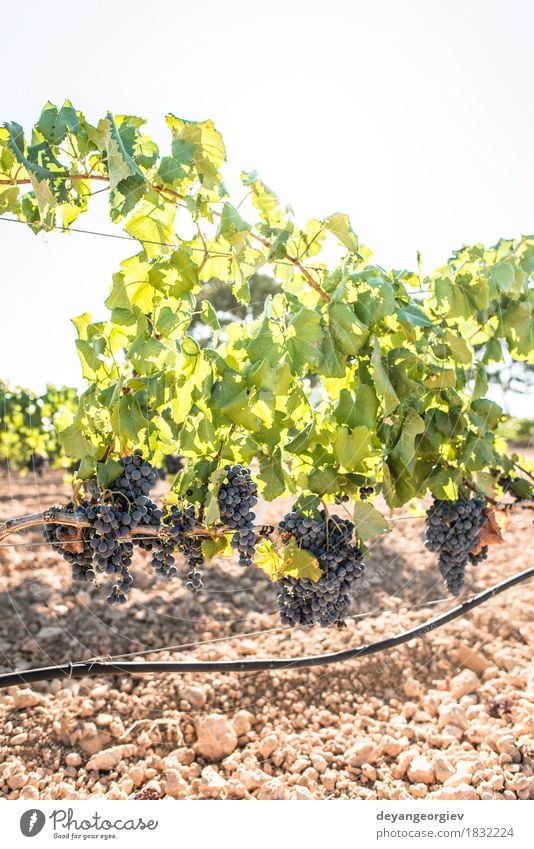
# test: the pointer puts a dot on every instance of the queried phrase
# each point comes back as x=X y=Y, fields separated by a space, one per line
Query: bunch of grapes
x=365 y=492
x=73 y=545
x=305 y=602
x=237 y=496
x=453 y=530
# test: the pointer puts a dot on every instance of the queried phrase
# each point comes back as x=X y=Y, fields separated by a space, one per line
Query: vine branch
x=56 y=516
x=163 y=190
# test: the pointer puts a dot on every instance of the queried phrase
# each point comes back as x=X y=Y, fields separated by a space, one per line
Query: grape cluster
x=106 y=545
x=305 y=602
x=365 y=492
x=453 y=530
x=73 y=545
x=237 y=495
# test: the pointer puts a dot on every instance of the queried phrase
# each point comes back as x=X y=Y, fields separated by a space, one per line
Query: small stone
x=392 y=746
x=73 y=759
x=194 y=695
x=273 y=789
x=26 y=698
x=421 y=771
x=104 y=719
x=451 y=713
x=216 y=737
x=242 y=722
x=319 y=762
x=251 y=779
x=363 y=751
x=17 y=780
x=471 y=659
x=463 y=791
x=137 y=774
x=301 y=792
x=412 y=688
x=94 y=743
x=442 y=767
x=466 y=682
x=210 y=784
x=29 y=792
x=299 y=765
x=108 y=758
x=268 y=745
x=18 y=739
x=329 y=779
x=174 y=785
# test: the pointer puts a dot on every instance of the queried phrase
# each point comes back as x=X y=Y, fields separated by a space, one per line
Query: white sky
x=415 y=117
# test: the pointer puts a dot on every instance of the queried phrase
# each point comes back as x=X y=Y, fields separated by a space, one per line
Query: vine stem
x=55 y=516
x=163 y=190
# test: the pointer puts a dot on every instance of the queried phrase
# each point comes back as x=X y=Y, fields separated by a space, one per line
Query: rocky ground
x=448 y=716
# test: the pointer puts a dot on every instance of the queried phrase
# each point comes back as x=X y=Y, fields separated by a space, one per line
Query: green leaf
x=458 y=347
x=503 y=275
x=489 y=412
x=212 y=513
x=481 y=382
x=209 y=316
x=231 y=223
x=381 y=380
x=413 y=314
x=152 y=226
x=127 y=418
x=74 y=443
x=349 y=332
x=404 y=449
x=300 y=563
x=445 y=483
x=217 y=547
x=269 y=560
x=304 y=337
x=271 y=475
x=323 y=481
x=108 y=472
x=518 y=326
x=54 y=123
x=339 y=225
x=352 y=447
x=368 y=521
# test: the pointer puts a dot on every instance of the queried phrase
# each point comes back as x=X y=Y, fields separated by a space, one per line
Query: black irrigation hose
x=90 y=668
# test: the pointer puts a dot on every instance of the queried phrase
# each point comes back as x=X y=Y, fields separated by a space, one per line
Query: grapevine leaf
x=269 y=560
x=414 y=315
x=209 y=316
x=349 y=332
x=108 y=472
x=300 y=563
x=212 y=511
x=339 y=225
x=272 y=475
x=217 y=547
x=368 y=521
x=381 y=380
x=74 y=443
x=231 y=223
x=54 y=123
x=458 y=347
x=352 y=447
x=304 y=337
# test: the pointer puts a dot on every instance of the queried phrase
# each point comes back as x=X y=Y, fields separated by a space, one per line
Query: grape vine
x=353 y=383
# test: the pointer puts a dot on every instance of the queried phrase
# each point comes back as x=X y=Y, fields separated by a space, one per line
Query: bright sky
x=415 y=117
